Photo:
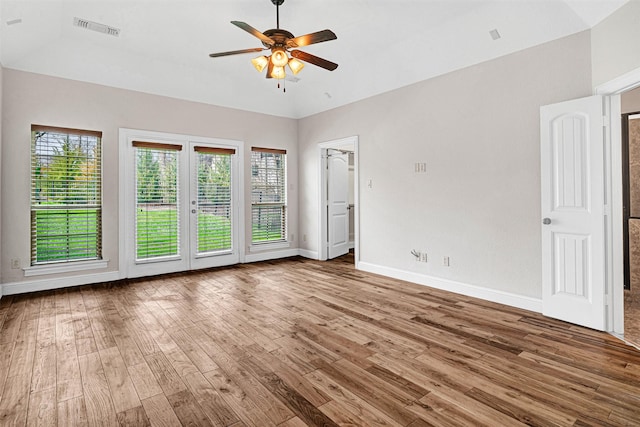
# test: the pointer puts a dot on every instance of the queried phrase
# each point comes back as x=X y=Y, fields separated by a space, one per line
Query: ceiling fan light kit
x=280 y=42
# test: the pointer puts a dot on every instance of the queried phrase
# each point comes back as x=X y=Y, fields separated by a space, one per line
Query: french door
x=181 y=207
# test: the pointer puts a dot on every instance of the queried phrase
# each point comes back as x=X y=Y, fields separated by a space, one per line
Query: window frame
x=69 y=263
x=284 y=241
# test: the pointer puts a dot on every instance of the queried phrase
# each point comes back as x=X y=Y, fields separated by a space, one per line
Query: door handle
x=546 y=221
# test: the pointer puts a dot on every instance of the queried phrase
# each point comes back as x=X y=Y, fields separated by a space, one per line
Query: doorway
x=631 y=220
x=339 y=208
x=620 y=94
x=180 y=205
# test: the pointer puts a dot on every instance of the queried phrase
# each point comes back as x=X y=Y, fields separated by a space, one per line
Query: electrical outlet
x=445 y=261
x=15 y=263
x=304 y=237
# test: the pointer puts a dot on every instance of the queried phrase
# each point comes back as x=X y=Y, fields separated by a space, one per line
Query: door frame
x=126 y=168
x=351 y=144
x=611 y=92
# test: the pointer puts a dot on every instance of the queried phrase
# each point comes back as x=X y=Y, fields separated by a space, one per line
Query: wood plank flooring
x=297 y=342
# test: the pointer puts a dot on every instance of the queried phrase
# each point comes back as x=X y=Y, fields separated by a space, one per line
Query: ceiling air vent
x=94 y=26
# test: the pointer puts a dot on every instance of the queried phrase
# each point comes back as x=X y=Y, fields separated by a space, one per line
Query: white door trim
x=611 y=91
x=349 y=143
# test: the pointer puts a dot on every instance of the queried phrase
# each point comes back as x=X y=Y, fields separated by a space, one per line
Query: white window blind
x=66 y=195
x=268 y=195
x=214 y=209
x=157 y=209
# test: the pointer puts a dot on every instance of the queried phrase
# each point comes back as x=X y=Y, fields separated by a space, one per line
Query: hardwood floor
x=298 y=342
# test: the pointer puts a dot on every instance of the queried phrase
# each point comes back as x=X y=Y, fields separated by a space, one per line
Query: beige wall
x=615 y=44
x=31 y=98
x=630 y=101
x=478 y=131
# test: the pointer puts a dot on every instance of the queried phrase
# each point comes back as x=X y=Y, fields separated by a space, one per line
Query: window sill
x=261 y=247
x=65 y=267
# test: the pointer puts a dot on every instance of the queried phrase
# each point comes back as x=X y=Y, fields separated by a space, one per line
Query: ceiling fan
x=280 y=42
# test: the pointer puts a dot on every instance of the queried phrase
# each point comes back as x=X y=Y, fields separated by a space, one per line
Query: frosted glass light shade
x=295 y=65
x=279 y=57
x=260 y=62
x=278 y=73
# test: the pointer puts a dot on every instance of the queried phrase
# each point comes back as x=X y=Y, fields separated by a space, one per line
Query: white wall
x=37 y=99
x=1 y=237
x=479 y=202
x=615 y=44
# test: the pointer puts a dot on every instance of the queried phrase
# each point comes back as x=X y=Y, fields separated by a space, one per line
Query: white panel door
x=338 y=202
x=573 y=243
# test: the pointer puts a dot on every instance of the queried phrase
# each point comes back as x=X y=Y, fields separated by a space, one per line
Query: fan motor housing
x=279 y=36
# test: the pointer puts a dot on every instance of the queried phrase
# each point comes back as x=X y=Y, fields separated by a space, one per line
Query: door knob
x=546 y=221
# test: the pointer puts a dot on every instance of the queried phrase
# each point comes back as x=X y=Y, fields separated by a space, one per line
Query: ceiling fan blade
x=307 y=39
x=269 y=70
x=236 y=52
x=315 y=60
x=249 y=29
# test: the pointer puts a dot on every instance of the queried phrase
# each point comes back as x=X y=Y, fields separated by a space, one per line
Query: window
x=157 y=211
x=66 y=195
x=268 y=195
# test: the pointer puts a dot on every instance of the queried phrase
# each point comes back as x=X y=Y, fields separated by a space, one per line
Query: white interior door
x=573 y=212
x=338 y=202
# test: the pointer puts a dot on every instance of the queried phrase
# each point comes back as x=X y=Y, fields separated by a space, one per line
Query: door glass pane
x=157 y=214
x=214 y=202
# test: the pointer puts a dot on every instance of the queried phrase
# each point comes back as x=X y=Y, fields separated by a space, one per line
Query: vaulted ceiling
x=163 y=45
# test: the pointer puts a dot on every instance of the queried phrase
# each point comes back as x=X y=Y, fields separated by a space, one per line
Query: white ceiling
x=163 y=46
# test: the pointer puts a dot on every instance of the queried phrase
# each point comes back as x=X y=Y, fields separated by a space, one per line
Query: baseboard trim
x=58 y=283
x=14 y=288
x=269 y=255
x=308 y=254
x=500 y=297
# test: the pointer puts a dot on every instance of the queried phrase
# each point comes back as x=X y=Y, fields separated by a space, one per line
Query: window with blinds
x=268 y=195
x=213 y=176
x=66 y=195
x=157 y=209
